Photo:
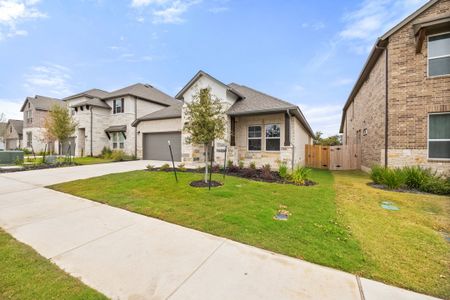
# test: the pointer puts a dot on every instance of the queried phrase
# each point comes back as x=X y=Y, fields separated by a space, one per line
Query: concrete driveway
x=129 y=256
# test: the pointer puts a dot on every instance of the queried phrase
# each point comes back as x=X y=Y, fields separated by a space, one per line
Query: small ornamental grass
x=300 y=174
x=283 y=171
x=412 y=178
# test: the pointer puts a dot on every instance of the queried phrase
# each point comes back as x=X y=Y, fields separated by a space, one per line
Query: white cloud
x=218 y=9
x=324 y=118
x=15 y=12
x=165 y=11
x=372 y=19
x=314 y=25
x=11 y=108
x=48 y=80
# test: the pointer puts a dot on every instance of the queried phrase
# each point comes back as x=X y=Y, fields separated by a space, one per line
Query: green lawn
x=24 y=274
x=337 y=223
x=90 y=160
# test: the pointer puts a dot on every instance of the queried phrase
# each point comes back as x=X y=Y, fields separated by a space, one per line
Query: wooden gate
x=317 y=156
x=344 y=157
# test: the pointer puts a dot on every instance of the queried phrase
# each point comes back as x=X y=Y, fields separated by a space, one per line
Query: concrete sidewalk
x=129 y=256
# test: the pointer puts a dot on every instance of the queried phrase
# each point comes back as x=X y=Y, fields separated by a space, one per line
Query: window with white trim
x=254 y=138
x=439 y=136
x=118 y=106
x=118 y=140
x=29 y=139
x=273 y=137
x=439 y=54
x=29 y=116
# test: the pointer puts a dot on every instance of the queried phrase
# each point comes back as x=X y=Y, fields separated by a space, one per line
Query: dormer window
x=439 y=55
x=118 y=106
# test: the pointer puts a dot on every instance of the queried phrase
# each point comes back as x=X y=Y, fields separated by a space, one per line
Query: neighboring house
x=260 y=128
x=13 y=135
x=3 y=126
x=104 y=119
x=399 y=108
x=35 y=111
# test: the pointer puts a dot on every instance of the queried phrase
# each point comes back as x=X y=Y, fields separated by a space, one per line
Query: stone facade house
x=14 y=134
x=399 y=108
x=104 y=118
x=35 y=110
x=260 y=128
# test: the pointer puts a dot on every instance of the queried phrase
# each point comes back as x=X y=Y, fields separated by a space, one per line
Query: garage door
x=156 y=146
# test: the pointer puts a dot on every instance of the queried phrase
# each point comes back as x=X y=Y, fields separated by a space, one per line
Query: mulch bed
x=202 y=183
x=252 y=174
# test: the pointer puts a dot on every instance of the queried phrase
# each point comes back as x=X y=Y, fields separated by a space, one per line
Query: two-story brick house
x=399 y=108
x=104 y=119
x=35 y=111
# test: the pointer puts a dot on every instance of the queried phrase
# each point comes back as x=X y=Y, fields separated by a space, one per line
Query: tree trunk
x=206 y=163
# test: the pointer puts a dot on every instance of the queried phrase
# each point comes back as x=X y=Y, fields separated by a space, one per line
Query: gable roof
x=171 y=112
x=378 y=49
x=42 y=103
x=17 y=125
x=197 y=76
x=92 y=102
x=92 y=93
x=256 y=102
x=144 y=92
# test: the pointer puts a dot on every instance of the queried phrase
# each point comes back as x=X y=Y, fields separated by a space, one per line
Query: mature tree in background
x=333 y=140
x=59 y=125
x=2 y=128
x=205 y=121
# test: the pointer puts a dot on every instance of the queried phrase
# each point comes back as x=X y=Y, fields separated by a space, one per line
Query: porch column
x=287 y=129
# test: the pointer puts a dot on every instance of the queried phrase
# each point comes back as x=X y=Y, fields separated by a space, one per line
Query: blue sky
x=306 y=52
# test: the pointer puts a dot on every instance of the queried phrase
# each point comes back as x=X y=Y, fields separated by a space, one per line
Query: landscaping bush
x=249 y=173
x=230 y=164
x=106 y=153
x=300 y=174
x=416 y=177
x=119 y=155
x=182 y=167
x=215 y=168
x=252 y=165
x=150 y=167
x=283 y=170
x=394 y=178
x=241 y=164
x=165 y=167
x=266 y=172
x=377 y=174
x=436 y=185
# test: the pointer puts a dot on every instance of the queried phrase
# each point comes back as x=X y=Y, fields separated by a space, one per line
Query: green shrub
x=377 y=174
x=118 y=155
x=252 y=165
x=393 y=178
x=165 y=167
x=436 y=185
x=106 y=153
x=300 y=174
x=283 y=171
x=182 y=167
x=150 y=167
x=416 y=177
x=241 y=164
x=230 y=164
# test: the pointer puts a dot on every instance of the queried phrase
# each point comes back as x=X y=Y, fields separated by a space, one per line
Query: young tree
x=59 y=125
x=205 y=121
x=333 y=140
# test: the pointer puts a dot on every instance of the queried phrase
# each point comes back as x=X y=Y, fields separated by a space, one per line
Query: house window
x=29 y=116
x=29 y=139
x=273 y=134
x=439 y=136
x=118 y=106
x=118 y=140
x=254 y=138
x=439 y=54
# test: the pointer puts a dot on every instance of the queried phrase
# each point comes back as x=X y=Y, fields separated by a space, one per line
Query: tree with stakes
x=59 y=125
x=205 y=121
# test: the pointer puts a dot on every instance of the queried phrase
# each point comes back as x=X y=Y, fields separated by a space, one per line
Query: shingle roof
x=92 y=93
x=116 y=128
x=145 y=92
x=170 y=112
x=92 y=102
x=42 y=102
x=256 y=101
x=17 y=125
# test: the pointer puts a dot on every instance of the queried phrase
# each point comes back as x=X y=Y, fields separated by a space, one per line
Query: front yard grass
x=337 y=223
x=24 y=274
x=91 y=160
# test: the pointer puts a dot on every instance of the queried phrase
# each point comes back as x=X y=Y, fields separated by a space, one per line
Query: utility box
x=10 y=157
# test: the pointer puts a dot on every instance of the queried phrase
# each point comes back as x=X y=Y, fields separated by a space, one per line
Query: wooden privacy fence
x=344 y=157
